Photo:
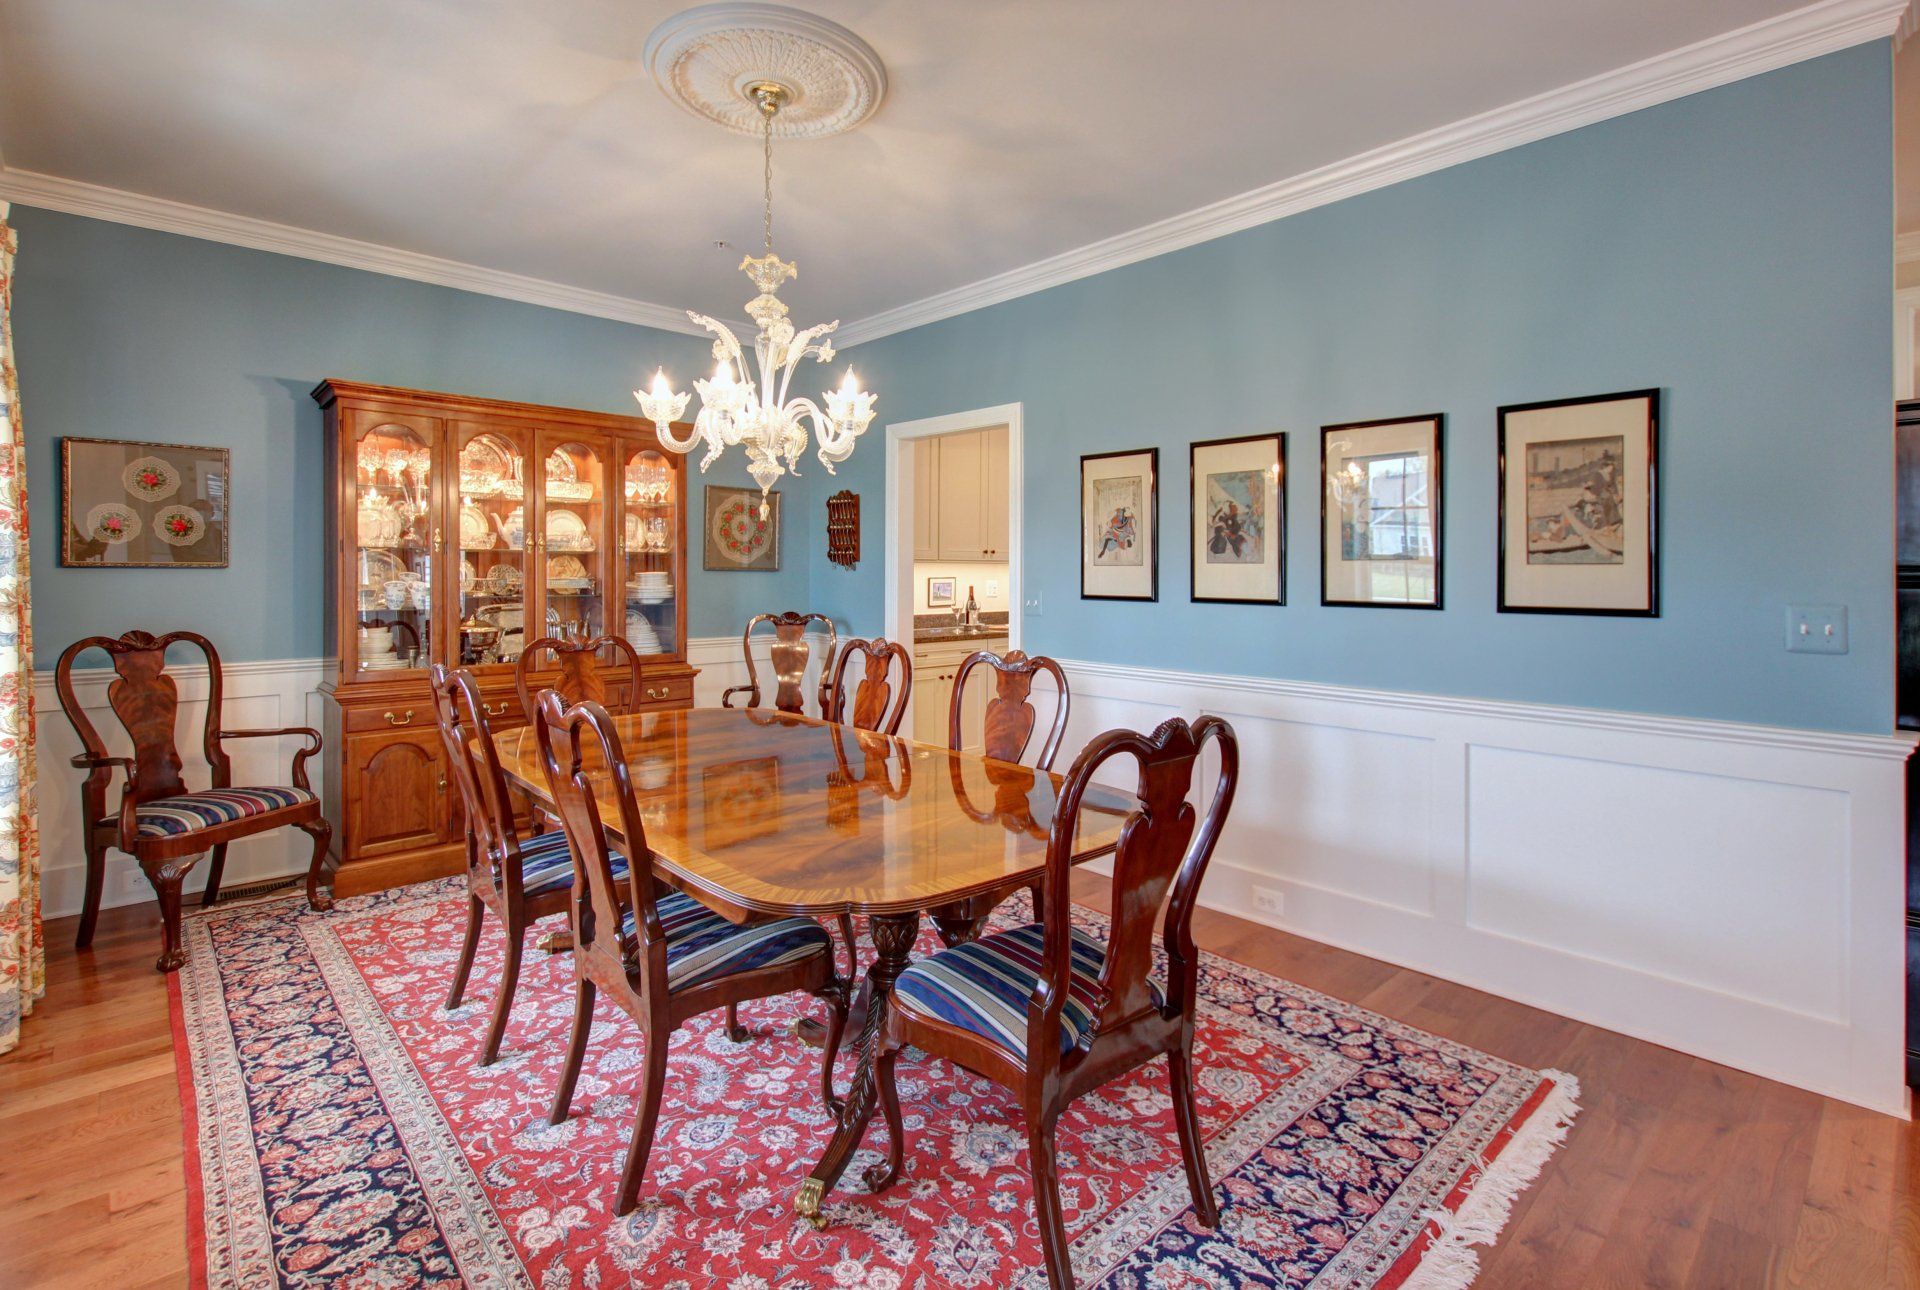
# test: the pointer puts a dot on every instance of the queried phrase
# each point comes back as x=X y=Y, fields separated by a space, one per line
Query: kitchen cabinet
x=960 y=497
x=935 y=665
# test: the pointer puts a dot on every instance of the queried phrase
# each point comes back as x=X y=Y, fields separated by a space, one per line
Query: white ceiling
x=526 y=138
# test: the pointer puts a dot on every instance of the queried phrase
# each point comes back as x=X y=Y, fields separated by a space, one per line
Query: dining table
x=760 y=813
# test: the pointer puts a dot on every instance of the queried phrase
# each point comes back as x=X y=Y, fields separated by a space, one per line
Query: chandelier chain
x=767 y=140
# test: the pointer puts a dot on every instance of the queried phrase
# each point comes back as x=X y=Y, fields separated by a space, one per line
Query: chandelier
x=734 y=409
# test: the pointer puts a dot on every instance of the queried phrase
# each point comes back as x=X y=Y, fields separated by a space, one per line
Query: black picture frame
x=1277 y=523
x=720 y=495
x=1152 y=551
x=1438 y=506
x=1652 y=609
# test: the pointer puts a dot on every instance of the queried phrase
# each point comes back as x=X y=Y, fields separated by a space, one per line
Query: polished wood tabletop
x=773 y=813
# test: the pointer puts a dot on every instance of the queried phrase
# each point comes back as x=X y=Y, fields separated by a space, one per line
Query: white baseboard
x=1732 y=891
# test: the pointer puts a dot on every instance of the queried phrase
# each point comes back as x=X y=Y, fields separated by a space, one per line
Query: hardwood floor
x=1678 y=1172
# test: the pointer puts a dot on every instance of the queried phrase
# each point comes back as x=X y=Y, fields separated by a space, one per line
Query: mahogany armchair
x=160 y=822
x=661 y=955
x=579 y=663
x=1052 y=1013
x=789 y=658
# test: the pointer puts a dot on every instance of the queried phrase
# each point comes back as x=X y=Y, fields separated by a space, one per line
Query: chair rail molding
x=1731 y=891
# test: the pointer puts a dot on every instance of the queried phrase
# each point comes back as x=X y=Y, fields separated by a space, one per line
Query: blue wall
x=1732 y=248
x=124 y=333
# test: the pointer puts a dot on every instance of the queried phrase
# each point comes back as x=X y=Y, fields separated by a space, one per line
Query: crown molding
x=1906 y=247
x=1793 y=37
x=51 y=192
x=1909 y=26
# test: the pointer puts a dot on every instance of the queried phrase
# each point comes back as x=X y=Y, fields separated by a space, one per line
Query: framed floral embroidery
x=131 y=505
x=742 y=533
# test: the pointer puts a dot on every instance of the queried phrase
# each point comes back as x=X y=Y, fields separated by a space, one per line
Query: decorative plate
x=151 y=479
x=475 y=533
x=179 y=525
x=505 y=580
x=377 y=568
x=568 y=532
x=560 y=468
x=566 y=568
x=468 y=577
x=486 y=460
x=112 y=523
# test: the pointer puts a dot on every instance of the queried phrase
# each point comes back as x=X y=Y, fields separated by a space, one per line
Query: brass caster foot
x=807 y=1203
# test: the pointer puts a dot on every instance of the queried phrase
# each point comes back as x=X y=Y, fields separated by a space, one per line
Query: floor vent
x=255 y=890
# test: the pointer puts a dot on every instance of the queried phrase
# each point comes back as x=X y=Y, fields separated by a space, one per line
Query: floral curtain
x=22 y=947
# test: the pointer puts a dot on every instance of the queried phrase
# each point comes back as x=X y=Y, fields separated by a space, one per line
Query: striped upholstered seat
x=166 y=817
x=984 y=985
x=701 y=945
x=546 y=864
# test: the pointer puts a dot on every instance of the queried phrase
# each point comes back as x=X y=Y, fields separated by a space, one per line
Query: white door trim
x=1906 y=331
x=899 y=526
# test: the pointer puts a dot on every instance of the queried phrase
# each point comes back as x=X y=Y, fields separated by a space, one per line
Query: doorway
x=909 y=445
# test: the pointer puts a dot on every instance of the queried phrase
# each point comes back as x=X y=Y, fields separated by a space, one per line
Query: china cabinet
x=461 y=529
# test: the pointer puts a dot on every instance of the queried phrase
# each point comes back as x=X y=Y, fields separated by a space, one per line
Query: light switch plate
x=993 y=589
x=1816 y=629
x=1032 y=605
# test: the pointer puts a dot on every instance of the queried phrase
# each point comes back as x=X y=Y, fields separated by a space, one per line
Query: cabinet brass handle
x=492 y=711
x=662 y=693
x=404 y=719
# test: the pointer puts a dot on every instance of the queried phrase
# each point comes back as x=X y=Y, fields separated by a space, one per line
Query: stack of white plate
x=376 y=650
x=650 y=588
x=641 y=636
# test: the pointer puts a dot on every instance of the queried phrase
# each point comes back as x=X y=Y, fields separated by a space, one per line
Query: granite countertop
x=940 y=635
x=938 y=629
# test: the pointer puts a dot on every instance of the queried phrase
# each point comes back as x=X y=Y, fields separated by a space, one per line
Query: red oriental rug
x=339 y=1134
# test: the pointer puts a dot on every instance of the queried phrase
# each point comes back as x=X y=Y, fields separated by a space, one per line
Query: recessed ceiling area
x=529 y=139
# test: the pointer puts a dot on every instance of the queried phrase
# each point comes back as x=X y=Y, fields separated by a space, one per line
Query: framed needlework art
x=126 y=504
x=737 y=537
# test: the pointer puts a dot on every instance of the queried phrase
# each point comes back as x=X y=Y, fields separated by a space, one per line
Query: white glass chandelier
x=760 y=416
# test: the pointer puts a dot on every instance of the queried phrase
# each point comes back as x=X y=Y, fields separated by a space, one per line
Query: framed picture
x=737 y=538
x=1120 y=525
x=1579 y=505
x=1238 y=490
x=1380 y=513
x=131 y=505
x=940 y=592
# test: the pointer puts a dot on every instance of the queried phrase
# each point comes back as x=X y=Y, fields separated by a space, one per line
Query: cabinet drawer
x=665 y=692
x=503 y=712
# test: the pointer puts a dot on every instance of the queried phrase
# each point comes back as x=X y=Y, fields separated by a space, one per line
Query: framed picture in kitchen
x=127 y=504
x=1579 y=506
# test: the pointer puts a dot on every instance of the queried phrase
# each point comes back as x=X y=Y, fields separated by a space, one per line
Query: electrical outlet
x=1270 y=900
x=1816 y=629
x=1032 y=605
x=993 y=589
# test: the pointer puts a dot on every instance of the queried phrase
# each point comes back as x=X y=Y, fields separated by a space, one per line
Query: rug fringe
x=1451 y=1261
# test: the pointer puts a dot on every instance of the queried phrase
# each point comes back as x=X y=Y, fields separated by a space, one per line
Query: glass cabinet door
x=393 y=540
x=649 y=531
x=492 y=526
x=573 y=560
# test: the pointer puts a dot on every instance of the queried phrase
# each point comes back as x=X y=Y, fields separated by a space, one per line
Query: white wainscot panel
x=1341 y=810
x=1733 y=884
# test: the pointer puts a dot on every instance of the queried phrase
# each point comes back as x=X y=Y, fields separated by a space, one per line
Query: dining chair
x=521 y=880
x=876 y=705
x=663 y=956
x=162 y=824
x=1008 y=731
x=789 y=657
x=580 y=677
x=1049 y=1011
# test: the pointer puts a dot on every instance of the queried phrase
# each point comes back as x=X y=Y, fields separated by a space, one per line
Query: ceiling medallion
x=707 y=59
x=715 y=46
